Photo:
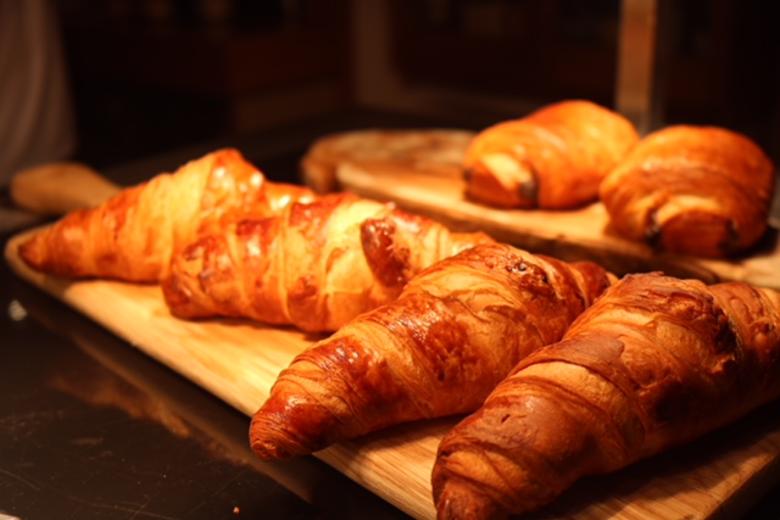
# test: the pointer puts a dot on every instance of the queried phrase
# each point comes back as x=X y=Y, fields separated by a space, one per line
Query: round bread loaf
x=438 y=152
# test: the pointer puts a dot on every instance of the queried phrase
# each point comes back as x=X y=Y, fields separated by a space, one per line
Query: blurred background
x=127 y=79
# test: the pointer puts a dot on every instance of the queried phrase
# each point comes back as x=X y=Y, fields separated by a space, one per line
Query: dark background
x=148 y=76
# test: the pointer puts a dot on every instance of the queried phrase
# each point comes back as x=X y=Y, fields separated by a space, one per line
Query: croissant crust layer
x=654 y=363
x=133 y=234
x=453 y=333
x=315 y=265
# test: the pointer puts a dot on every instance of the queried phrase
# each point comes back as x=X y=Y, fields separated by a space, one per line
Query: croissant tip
x=31 y=251
x=458 y=500
x=266 y=449
x=268 y=442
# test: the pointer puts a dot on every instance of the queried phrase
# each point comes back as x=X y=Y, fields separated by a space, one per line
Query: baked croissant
x=554 y=158
x=133 y=234
x=453 y=334
x=695 y=190
x=656 y=362
x=315 y=265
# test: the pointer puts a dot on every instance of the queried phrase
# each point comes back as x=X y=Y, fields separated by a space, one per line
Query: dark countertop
x=92 y=428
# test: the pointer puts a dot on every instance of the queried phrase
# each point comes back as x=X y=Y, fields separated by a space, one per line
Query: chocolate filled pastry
x=454 y=332
x=554 y=158
x=132 y=235
x=655 y=362
x=702 y=191
x=316 y=265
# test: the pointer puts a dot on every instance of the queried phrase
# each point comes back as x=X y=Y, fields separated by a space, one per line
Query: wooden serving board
x=238 y=362
x=570 y=235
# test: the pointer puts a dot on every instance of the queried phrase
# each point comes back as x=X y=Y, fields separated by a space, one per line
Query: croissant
x=133 y=234
x=315 y=265
x=554 y=158
x=694 y=190
x=453 y=334
x=656 y=362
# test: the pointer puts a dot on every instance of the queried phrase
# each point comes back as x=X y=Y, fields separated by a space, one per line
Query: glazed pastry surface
x=554 y=158
x=453 y=334
x=655 y=362
x=701 y=191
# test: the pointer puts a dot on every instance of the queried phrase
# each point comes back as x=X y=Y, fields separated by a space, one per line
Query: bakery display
x=315 y=265
x=428 y=321
x=454 y=332
x=238 y=362
x=436 y=152
x=133 y=234
x=701 y=191
x=656 y=362
x=554 y=158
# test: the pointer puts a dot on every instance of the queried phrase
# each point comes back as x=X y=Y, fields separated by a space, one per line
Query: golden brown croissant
x=695 y=190
x=453 y=334
x=656 y=362
x=315 y=266
x=554 y=158
x=132 y=235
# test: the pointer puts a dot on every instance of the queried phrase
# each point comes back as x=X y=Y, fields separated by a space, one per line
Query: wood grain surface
x=570 y=235
x=238 y=362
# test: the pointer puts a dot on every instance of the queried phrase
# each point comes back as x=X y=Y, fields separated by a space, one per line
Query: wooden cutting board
x=238 y=362
x=570 y=235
